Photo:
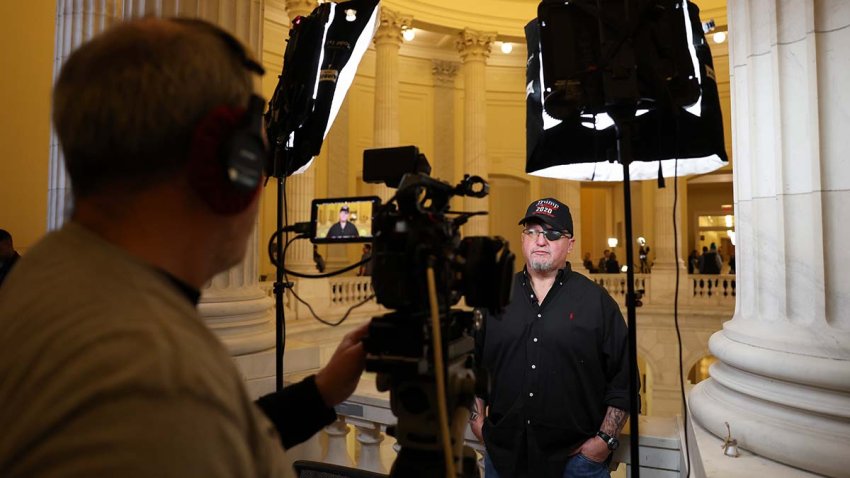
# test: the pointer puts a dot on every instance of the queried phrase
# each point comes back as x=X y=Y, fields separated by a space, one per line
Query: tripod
x=414 y=392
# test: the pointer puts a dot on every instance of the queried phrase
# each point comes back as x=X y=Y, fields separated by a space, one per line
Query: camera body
x=413 y=232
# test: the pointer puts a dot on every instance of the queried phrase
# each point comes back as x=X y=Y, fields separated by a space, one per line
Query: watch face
x=613 y=443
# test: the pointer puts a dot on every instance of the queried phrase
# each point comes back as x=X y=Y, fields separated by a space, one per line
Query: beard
x=542 y=265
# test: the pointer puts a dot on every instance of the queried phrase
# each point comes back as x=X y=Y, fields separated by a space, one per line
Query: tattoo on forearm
x=614 y=421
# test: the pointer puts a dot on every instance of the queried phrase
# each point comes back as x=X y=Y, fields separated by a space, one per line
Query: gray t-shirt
x=107 y=370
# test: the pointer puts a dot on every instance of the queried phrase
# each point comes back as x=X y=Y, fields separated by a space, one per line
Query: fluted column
x=387 y=43
x=77 y=21
x=663 y=290
x=783 y=376
x=300 y=188
x=232 y=304
x=569 y=193
x=474 y=48
x=443 y=161
x=338 y=173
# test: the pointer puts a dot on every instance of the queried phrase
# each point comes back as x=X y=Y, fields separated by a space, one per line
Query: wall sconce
x=612 y=242
x=409 y=34
x=730 y=445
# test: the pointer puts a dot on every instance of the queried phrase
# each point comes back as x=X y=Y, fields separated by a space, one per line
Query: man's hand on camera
x=337 y=380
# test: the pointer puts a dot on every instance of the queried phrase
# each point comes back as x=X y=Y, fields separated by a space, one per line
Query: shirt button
x=535 y=339
x=533 y=366
x=530 y=394
x=528 y=422
x=540 y=315
x=532 y=296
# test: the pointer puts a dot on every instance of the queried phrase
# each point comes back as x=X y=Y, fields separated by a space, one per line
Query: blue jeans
x=577 y=467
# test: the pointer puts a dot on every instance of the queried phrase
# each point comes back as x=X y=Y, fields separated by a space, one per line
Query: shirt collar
x=192 y=294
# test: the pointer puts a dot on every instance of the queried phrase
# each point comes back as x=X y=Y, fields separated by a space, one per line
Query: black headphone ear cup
x=209 y=156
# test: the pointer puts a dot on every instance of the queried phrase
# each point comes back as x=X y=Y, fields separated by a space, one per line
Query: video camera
x=413 y=233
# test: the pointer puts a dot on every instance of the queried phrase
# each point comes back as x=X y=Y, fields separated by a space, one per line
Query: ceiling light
x=719 y=37
x=507 y=47
x=409 y=34
x=612 y=242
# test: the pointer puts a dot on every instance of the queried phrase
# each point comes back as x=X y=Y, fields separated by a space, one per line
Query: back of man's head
x=127 y=102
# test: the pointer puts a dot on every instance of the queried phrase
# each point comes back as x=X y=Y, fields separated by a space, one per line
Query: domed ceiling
x=506 y=18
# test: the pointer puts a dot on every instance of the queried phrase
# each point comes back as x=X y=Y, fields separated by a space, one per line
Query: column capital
x=444 y=72
x=474 y=45
x=390 y=27
x=296 y=8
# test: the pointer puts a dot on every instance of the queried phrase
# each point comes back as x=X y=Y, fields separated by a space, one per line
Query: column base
x=792 y=436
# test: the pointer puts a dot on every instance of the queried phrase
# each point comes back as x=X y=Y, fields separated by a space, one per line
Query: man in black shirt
x=558 y=363
x=343 y=228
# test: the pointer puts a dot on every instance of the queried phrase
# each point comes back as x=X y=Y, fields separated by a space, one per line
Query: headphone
x=227 y=155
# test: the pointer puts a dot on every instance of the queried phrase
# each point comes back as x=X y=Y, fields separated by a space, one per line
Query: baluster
x=370 y=437
x=337 y=449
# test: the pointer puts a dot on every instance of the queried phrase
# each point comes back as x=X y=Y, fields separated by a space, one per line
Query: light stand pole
x=623 y=116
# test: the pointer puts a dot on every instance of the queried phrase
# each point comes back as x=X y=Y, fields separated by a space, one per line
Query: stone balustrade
x=334 y=296
x=367 y=413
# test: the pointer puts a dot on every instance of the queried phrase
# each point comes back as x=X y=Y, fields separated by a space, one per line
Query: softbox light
x=319 y=64
x=569 y=135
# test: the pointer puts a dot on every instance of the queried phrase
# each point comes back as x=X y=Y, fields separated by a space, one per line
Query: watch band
x=612 y=442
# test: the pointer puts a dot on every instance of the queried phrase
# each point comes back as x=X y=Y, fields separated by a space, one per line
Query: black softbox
x=582 y=146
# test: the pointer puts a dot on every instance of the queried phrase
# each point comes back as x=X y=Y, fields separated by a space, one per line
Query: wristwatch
x=612 y=442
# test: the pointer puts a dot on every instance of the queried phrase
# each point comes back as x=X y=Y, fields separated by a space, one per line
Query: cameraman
x=558 y=363
x=107 y=368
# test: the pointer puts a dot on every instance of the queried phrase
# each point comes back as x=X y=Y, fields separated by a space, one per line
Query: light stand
x=587 y=94
x=623 y=118
x=320 y=60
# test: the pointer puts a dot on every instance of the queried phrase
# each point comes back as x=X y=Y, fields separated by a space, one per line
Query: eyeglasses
x=550 y=235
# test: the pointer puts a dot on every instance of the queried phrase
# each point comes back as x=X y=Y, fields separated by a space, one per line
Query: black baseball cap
x=550 y=211
x=343 y=208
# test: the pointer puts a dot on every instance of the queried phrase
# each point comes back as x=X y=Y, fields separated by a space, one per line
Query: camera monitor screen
x=343 y=220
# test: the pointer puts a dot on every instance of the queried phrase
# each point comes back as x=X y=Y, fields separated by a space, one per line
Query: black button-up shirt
x=555 y=368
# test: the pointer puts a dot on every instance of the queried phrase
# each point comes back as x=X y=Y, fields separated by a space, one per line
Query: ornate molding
x=390 y=27
x=444 y=72
x=296 y=8
x=474 y=45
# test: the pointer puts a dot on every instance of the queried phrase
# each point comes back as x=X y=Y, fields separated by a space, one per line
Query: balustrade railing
x=369 y=415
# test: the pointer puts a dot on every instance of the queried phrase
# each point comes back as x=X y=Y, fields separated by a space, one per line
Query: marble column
x=569 y=193
x=443 y=162
x=474 y=48
x=300 y=188
x=663 y=290
x=783 y=376
x=232 y=304
x=387 y=44
x=77 y=21
x=338 y=173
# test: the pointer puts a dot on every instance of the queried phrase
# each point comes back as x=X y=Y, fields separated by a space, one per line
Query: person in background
x=693 y=262
x=588 y=264
x=603 y=261
x=558 y=363
x=8 y=255
x=366 y=269
x=612 y=266
x=318 y=259
x=711 y=261
x=107 y=368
